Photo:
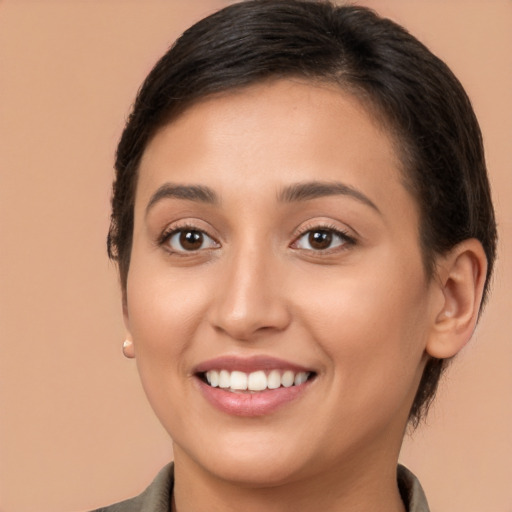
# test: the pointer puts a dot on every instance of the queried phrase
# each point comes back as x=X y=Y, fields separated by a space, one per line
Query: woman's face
x=275 y=242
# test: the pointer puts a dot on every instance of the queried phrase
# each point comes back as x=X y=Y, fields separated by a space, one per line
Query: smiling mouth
x=242 y=382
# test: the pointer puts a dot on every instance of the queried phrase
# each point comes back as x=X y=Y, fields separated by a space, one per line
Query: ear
x=461 y=275
x=128 y=347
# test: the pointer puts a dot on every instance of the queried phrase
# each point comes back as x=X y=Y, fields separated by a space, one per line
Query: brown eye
x=189 y=240
x=320 y=239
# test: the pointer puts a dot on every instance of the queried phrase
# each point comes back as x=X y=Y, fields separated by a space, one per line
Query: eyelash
x=167 y=235
x=345 y=238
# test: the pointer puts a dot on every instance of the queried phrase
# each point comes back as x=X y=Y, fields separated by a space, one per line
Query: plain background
x=75 y=429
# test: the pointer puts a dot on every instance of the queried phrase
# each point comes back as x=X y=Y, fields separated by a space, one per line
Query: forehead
x=270 y=134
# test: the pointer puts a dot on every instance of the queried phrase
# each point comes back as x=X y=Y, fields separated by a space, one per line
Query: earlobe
x=461 y=275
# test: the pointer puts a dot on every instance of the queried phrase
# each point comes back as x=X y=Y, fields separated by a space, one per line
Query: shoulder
x=156 y=498
x=411 y=491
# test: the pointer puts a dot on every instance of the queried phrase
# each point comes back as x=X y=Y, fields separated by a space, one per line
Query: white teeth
x=224 y=379
x=238 y=381
x=287 y=379
x=255 y=381
x=274 y=379
x=300 y=378
x=213 y=378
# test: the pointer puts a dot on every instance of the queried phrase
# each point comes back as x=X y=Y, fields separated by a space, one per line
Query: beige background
x=75 y=429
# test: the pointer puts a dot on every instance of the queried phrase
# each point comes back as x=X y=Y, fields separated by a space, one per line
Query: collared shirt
x=157 y=497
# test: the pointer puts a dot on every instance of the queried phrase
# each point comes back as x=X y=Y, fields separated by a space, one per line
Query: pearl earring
x=128 y=348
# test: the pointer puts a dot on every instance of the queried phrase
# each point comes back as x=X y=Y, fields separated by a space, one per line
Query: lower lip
x=257 y=403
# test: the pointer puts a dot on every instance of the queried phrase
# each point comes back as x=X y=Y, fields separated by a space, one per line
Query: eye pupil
x=320 y=239
x=191 y=240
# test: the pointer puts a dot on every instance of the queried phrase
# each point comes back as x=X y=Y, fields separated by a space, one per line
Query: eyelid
x=206 y=239
x=179 y=226
x=348 y=240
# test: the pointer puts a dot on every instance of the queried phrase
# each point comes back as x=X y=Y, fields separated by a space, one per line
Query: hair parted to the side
x=411 y=91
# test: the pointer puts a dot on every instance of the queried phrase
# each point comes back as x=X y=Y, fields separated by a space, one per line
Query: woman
x=305 y=235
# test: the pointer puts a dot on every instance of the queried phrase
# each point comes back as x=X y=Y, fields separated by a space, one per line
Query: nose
x=250 y=299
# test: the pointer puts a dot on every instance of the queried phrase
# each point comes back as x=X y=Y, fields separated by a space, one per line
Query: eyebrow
x=290 y=194
x=198 y=193
x=315 y=189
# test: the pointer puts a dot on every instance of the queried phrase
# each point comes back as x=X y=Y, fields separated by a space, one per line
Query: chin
x=251 y=464
x=256 y=472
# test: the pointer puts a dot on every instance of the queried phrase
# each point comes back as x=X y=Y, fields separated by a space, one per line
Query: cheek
x=164 y=310
x=372 y=325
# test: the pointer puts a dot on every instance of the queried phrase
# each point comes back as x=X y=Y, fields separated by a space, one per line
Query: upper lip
x=248 y=364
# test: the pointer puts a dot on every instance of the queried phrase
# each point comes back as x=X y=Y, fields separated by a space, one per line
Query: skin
x=361 y=314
